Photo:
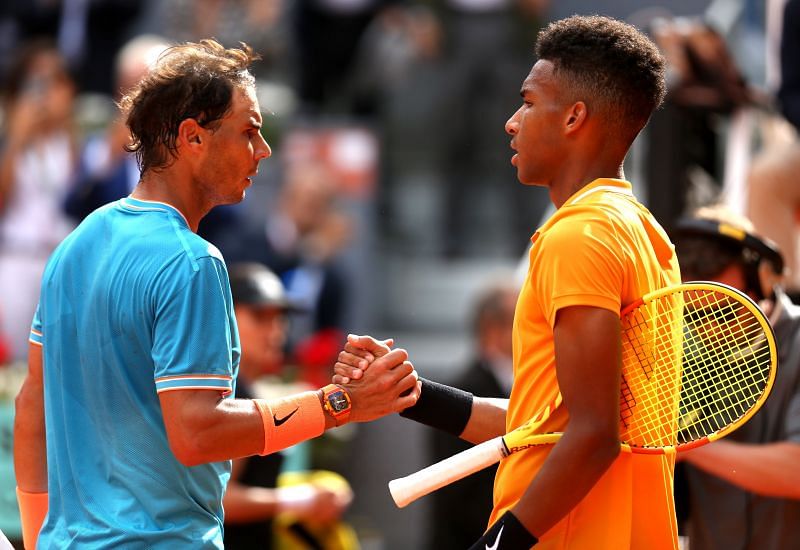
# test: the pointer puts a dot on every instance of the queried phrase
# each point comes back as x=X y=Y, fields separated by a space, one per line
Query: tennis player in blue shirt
x=134 y=348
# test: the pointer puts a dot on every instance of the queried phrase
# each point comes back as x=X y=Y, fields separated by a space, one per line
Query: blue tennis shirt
x=133 y=303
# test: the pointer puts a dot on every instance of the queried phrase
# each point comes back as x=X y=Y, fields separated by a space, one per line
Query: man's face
x=732 y=276
x=234 y=151
x=536 y=127
x=262 y=333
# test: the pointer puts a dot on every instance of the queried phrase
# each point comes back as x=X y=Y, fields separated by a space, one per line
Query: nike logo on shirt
x=497 y=540
x=279 y=421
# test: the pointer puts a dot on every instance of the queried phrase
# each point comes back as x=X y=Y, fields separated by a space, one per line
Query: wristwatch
x=336 y=402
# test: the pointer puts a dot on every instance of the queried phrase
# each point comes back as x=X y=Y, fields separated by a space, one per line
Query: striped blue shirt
x=133 y=303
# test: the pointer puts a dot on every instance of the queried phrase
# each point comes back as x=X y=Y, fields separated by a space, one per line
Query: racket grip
x=407 y=489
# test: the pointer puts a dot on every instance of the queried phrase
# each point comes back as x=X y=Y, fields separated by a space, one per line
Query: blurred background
x=390 y=204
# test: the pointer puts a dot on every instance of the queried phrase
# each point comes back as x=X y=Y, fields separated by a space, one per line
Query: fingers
x=409 y=398
x=344 y=373
x=370 y=344
x=391 y=360
x=358 y=353
x=388 y=386
x=355 y=360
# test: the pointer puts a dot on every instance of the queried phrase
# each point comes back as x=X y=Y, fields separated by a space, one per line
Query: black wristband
x=507 y=533
x=442 y=407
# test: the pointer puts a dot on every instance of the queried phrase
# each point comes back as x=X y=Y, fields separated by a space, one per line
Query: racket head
x=698 y=360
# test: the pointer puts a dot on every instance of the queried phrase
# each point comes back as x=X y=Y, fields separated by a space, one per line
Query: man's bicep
x=587 y=354
x=35 y=363
x=184 y=411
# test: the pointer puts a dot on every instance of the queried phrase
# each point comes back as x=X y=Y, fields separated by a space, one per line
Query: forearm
x=235 y=428
x=488 y=420
x=203 y=427
x=30 y=448
x=231 y=429
x=244 y=504
x=573 y=467
x=458 y=412
x=768 y=470
x=7 y=164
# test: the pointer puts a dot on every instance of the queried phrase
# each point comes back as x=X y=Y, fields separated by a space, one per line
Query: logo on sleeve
x=279 y=421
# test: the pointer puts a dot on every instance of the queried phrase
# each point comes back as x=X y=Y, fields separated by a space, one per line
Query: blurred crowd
x=387 y=122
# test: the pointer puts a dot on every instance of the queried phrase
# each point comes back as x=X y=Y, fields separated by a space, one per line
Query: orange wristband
x=32 y=511
x=290 y=420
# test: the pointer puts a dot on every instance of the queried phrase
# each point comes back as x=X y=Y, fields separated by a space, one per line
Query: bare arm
x=30 y=450
x=587 y=353
x=24 y=118
x=769 y=470
x=247 y=503
x=203 y=427
x=8 y=160
x=488 y=419
x=244 y=503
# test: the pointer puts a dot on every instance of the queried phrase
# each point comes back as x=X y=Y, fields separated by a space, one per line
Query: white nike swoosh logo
x=497 y=540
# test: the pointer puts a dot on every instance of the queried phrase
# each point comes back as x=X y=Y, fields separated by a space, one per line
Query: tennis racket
x=698 y=360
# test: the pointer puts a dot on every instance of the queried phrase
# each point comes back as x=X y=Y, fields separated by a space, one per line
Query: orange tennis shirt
x=602 y=248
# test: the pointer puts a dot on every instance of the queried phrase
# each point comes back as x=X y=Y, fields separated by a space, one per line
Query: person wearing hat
x=744 y=491
x=252 y=500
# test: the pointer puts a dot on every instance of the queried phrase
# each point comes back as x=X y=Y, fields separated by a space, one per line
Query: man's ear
x=575 y=117
x=190 y=133
x=768 y=278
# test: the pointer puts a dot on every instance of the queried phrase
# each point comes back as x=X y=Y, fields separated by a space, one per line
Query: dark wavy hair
x=609 y=64
x=192 y=80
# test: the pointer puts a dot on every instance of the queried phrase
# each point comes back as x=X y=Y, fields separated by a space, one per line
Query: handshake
x=378 y=379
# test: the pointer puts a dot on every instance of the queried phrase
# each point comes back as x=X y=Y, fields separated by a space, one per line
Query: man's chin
x=234 y=199
x=530 y=182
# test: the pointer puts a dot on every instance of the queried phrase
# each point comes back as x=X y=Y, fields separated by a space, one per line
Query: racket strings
x=650 y=351
x=724 y=364
x=693 y=363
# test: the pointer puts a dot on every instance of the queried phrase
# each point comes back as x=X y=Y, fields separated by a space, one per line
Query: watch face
x=338 y=401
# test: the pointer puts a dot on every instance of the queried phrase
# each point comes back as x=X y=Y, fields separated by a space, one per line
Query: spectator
x=88 y=33
x=327 y=35
x=682 y=141
x=37 y=160
x=106 y=171
x=744 y=491
x=251 y=500
x=789 y=91
x=773 y=201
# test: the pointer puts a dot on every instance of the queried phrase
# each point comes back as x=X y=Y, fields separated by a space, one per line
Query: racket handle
x=407 y=489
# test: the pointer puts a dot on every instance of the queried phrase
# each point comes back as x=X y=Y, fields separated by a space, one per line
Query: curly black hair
x=192 y=80
x=609 y=64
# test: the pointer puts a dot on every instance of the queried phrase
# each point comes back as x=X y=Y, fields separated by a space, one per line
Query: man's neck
x=595 y=157
x=562 y=190
x=166 y=187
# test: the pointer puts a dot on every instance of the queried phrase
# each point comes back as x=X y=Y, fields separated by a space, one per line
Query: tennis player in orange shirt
x=592 y=90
